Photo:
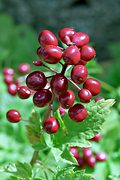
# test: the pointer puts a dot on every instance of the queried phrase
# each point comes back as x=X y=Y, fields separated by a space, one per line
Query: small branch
x=61 y=63
x=34 y=158
x=74 y=84
x=64 y=69
x=51 y=69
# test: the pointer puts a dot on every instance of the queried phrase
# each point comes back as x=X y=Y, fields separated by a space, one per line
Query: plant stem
x=64 y=69
x=51 y=69
x=74 y=84
x=34 y=157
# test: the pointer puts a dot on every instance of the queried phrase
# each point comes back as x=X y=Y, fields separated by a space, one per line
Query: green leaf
x=78 y=134
x=34 y=131
x=68 y=156
x=70 y=174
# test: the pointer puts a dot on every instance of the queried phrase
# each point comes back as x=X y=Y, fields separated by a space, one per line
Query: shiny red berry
x=81 y=162
x=42 y=98
x=79 y=74
x=37 y=63
x=13 y=116
x=67 y=99
x=23 y=92
x=91 y=161
x=46 y=37
x=51 y=125
x=12 y=89
x=8 y=71
x=52 y=54
x=77 y=112
x=80 y=39
x=97 y=138
x=59 y=84
x=101 y=156
x=82 y=62
x=71 y=55
x=93 y=86
x=74 y=151
x=87 y=53
x=8 y=79
x=65 y=35
x=85 y=95
x=87 y=152
x=36 y=80
x=24 y=68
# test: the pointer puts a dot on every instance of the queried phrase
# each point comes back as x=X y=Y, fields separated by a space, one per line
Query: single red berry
x=24 y=68
x=37 y=63
x=39 y=52
x=91 y=161
x=8 y=71
x=12 y=89
x=79 y=74
x=8 y=79
x=80 y=39
x=13 y=116
x=87 y=53
x=36 y=80
x=71 y=55
x=81 y=162
x=67 y=99
x=42 y=97
x=98 y=98
x=62 y=111
x=85 y=95
x=97 y=138
x=74 y=151
x=52 y=54
x=93 y=86
x=87 y=152
x=23 y=92
x=101 y=156
x=65 y=35
x=77 y=112
x=46 y=37
x=51 y=125
x=59 y=84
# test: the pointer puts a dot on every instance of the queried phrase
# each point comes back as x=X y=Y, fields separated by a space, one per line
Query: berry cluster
x=13 y=81
x=86 y=156
x=47 y=89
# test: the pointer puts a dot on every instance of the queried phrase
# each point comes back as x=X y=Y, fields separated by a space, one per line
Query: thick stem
x=74 y=84
x=64 y=69
x=34 y=158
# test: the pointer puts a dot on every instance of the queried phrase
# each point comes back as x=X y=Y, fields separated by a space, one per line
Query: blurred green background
x=20 y=23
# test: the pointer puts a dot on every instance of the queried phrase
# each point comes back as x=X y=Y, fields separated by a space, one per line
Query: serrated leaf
x=68 y=156
x=34 y=131
x=78 y=134
x=70 y=174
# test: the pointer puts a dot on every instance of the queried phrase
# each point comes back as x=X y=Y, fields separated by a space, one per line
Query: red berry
x=36 y=80
x=93 y=86
x=81 y=162
x=65 y=35
x=74 y=151
x=37 y=63
x=8 y=79
x=87 y=152
x=91 y=161
x=84 y=95
x=67 y=99
x=71 y=55
x=101 y=156
x=39 y=52
x=79 y=74
x=62 y=111
x=80 y=39
x=52 y=54
x=51 y=125
x=98 y=98
x=59 y=84
x=8 y=71
x=13 y=116
x=46 y=37
x=24 y=68
x=82 y=62
x=12 y=89
x=42 y=97
x=77 y=112
x=87 y=53
x=97 y=138
x=23 y=92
